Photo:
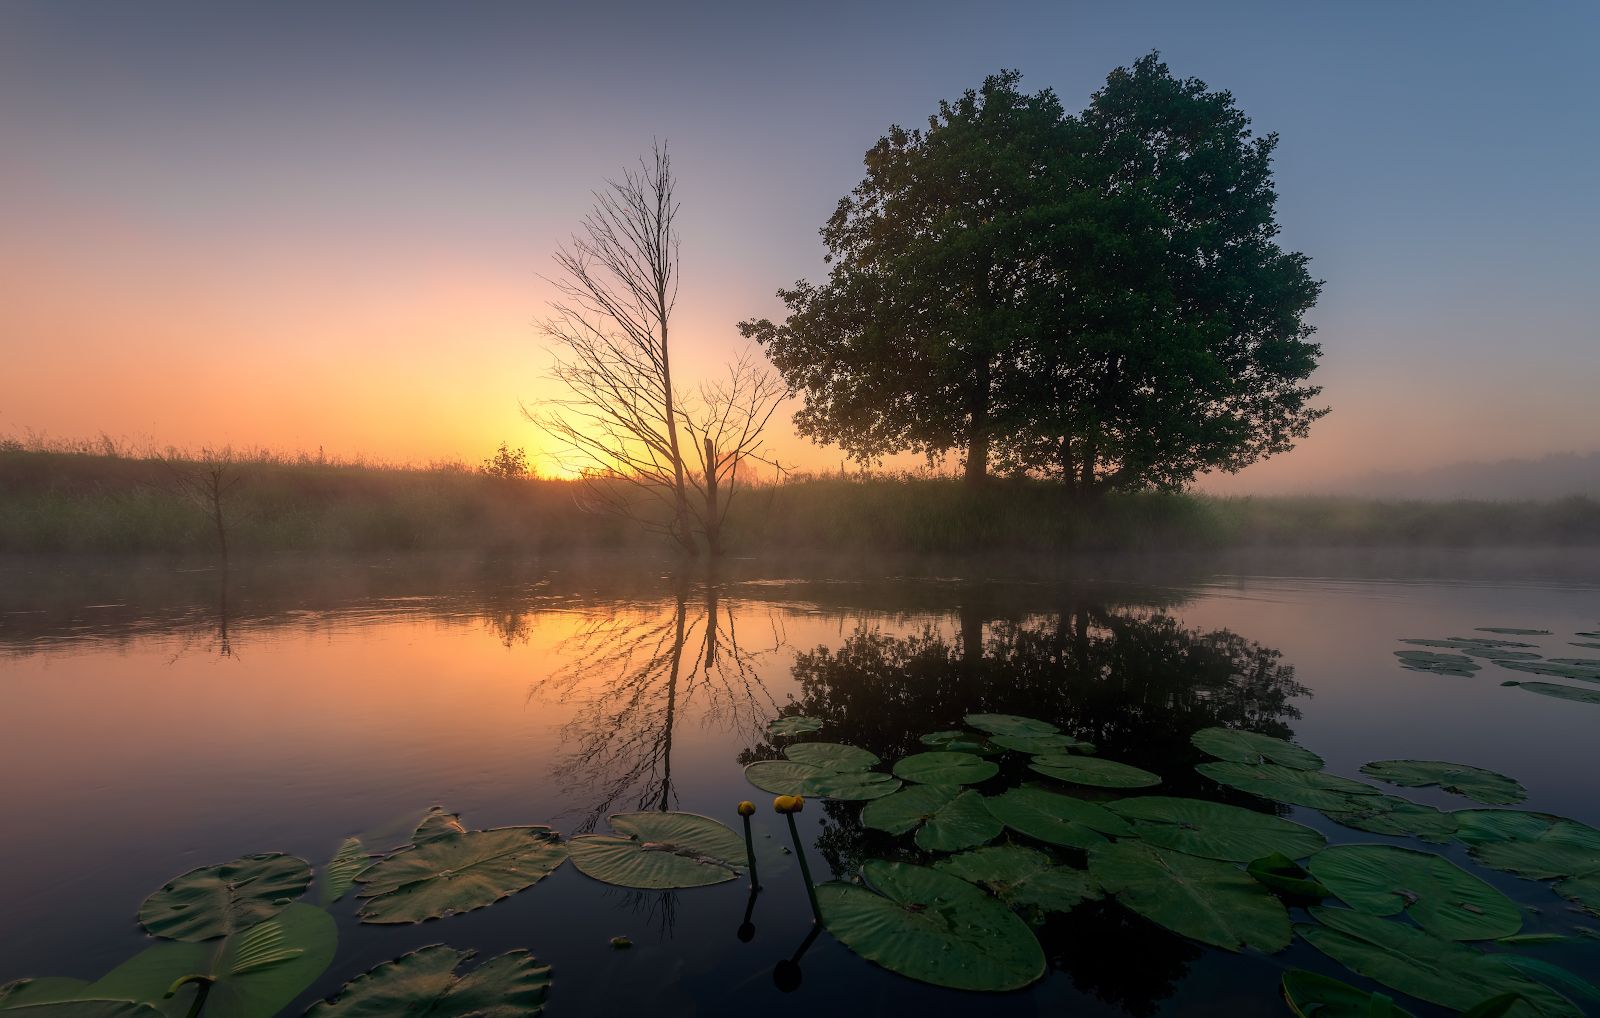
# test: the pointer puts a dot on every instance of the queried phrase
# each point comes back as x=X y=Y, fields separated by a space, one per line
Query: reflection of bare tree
x=218 y=635
x=633 y=675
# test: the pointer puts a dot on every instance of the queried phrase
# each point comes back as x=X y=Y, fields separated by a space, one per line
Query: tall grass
x=89 y=501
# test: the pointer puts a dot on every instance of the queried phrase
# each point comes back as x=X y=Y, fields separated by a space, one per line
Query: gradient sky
x=297 y=225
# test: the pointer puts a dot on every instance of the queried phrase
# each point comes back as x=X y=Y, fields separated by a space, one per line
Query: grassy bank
x=83 y=502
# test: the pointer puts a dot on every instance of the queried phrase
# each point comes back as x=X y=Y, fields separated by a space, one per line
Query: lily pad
x=1583 y=891
x=1312 y=789
x=1010 y=724
x=1093 y=770
x=1214 y=830
x=1210 y=901
x=455 y=874
x=958 y=742
x=1415 y=962
x=1511 y=631
x=61 y=998
x=945 y=769
x=660 y=851
x=1473 y=782
x=1022 y=877
x=1253 y=748
x=424 y=984
x=945 y=817
x=1439 y=664
x=781 y=777
x=1055 y=818
x=1278 y=872
x=1034 y=744
x=1588 y=646
x=1393 y=815
x=832 y=756
x=794 y=724
x=340 y=873
x=253 y=973
x=1559 y=691
x=437 y=823
x=1314 y=995
x=213 y=901
x=1438 y=895
x=851 y=786
x=932 y=927
x=1536 y=845
x=1556 y=667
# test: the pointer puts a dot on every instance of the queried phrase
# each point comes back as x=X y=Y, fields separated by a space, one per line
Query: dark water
x=156 y=720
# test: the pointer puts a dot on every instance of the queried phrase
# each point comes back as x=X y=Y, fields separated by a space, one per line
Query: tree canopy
x=1097 y=297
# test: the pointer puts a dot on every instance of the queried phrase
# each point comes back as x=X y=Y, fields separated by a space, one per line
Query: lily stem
x=805 y=870
x=750 y=855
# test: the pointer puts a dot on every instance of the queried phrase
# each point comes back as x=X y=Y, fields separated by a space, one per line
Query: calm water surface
x=156 y=720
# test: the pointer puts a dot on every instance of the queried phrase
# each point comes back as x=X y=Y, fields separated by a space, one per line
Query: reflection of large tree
x=633 y=675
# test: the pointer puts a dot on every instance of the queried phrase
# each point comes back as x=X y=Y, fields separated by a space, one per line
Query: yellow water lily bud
x=747 y=808
x=788 y=803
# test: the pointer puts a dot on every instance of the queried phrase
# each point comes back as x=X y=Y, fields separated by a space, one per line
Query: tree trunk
x=978 y=428
x=1069 y=476
x=1091 y=449
x=713 y=519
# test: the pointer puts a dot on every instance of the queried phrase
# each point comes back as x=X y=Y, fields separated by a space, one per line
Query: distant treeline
x=53 y=502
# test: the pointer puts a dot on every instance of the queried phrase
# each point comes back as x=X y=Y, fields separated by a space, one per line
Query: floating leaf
x=1093 y=770
x=437 y=823
x=945 y=817
x=853 y=786
x=1473 y=782
x=1390 y=814
x=1585 y=891
x=1536 y=845
x=957 y=742
x=1438 y=895
x=1034 y=744
x=1022 y=877
x=1567 y=983
x=1587 y=646
x=1210 y=901
x=253 y=974
x=1495 y=650
x=1313 y=789
x=1010 y=724
x=61 y=998
x=1278 y=872
x=1055 y=818
x=1253 y=748
x=1413 y=961
x=424 y=984
x=660 y=851
x=794 y=724
x=945 y=769
x=832 y=756
x=1439 y=664
x=932 y=927
x=1560 y=668
x=1214 y=830
x=213 y=901
x=1557 y=690
x=1314 y=995
x=340 y=873
x=780 y=777
x=1509 y=631
x=455 y=874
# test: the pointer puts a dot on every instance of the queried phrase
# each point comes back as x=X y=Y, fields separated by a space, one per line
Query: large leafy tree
x=909 y=344
x=1097 y=297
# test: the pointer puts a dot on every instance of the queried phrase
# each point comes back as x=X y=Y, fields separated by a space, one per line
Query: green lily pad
x=458 y=873
x=1093 y=770
x=1415 y=962
x=1035 y=744
x=1278 y=872
x=213 y=901
x=1584 y=891
x=851 y=786
x=1210 y=901
x=424 y=984
x=932 y=927
x=1510 y=631
x=340 y=873
x=1587 y=646
x=437 y=823
x=61 y=998
x=946 y=818
x=1438 y=895
x=1590 y=634
x=945 y=769
x=1439 y=664
x=1314 y=995
x=1568 y=984
x=1010 y=724
x=1312 y=789
x=1495 y=650
x=1559 y=691
x=832 y=756
x=1536 y=845
x=795 y=724
x=1055 y=818
x=781 y=777
x=1214 y=830
x=254 y=973
x=1560 y=668
x=1390 y=814
x=1253 y=748
x=958 y=742
x=1022 y=877
x=1473 y=782
x=660 y=851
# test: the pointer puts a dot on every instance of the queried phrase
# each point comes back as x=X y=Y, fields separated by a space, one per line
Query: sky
x=302 y=226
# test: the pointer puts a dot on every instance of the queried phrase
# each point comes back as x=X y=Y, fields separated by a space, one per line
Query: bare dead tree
x=609 y=323
x=207 y=482
x=725 y=428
